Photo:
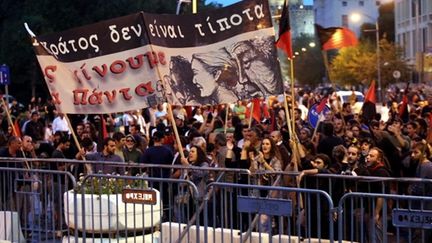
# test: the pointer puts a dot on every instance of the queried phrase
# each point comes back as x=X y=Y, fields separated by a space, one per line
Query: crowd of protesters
x=389 y=145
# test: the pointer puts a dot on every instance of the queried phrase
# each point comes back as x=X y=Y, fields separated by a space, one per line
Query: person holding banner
x=214 y=73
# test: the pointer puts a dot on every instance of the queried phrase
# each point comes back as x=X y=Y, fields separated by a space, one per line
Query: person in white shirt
x=198 y=115
x=60 y=124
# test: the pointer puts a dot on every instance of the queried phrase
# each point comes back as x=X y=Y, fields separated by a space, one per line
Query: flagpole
x=327 y=67
x=171 y=116
x=14 y=129
x=87 y=166
x=251 y=115
x=226 y=117
x=316 y=127
x=194 y=6
x=293 y=127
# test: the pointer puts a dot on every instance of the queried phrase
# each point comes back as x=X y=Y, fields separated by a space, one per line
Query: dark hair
x=374 y=123
x=117 y=136
x=338 y=153
x=107 y=140
x=257 y=131
x=13 y=139
x=396 y=120
x=86 y=142
x=423 y=147
x=158 y=136
x=327 y=128
x=274 y=151
x=218 y=124
x=201 y=156
x=193 y=133
x=414 y=124
x=63 y=140
x=324 y=158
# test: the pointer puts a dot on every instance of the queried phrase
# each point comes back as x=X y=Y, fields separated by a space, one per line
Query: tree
x=308 y=64
x=354 y=65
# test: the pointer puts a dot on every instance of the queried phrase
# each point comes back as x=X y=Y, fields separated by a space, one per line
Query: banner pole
x=13 y=129
x=177 y=136
x=171 y=115
x=87 y=166
x=251 y=115
x=316 y=127
x=194 y=6
x=327 y=67
x=292 y=96
x=226 y=117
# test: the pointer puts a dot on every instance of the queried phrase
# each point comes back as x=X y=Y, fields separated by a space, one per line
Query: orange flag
x=335 y=37
x=17 y=130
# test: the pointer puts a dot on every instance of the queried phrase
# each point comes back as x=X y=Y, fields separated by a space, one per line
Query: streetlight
x=356 y=17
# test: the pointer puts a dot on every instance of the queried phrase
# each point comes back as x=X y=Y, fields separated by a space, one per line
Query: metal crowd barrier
x=251 y=213
x=401 y=219
x=337 y=185
x=31 y=204
x=42 y=205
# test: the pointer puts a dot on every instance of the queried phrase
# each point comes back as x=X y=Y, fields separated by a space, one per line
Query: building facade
x=301 y=16
x=335 y=13
x=413 y=20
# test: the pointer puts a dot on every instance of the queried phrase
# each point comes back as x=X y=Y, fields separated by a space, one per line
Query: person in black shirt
x=34 y=127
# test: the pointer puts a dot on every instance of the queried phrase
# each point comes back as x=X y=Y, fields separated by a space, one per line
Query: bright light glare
x=312 y=44
x=355 y=17
x=303 y=49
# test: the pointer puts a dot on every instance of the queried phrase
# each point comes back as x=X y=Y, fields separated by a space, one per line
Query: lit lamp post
x=356 y=17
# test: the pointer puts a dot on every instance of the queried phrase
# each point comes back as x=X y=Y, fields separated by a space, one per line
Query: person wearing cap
x=180 y=123
x=131 y=153
x=265 y=124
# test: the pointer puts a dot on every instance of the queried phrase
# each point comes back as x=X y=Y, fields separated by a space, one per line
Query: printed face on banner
x=131 y=62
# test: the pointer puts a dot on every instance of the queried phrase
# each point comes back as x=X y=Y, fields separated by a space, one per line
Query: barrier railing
x=279 y=218
x=367 y=217
x=31 y=204
x=39 y=205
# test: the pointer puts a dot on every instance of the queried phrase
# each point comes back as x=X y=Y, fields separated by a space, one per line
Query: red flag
x=17 y=129
x=369 y=108
x=335 y=37
x=284 y=40
x=429 y=136
x=266 y=113
x=370 y=94
x=256 y=113
x=322 y=105
x=403 y=108
x=104 y=128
